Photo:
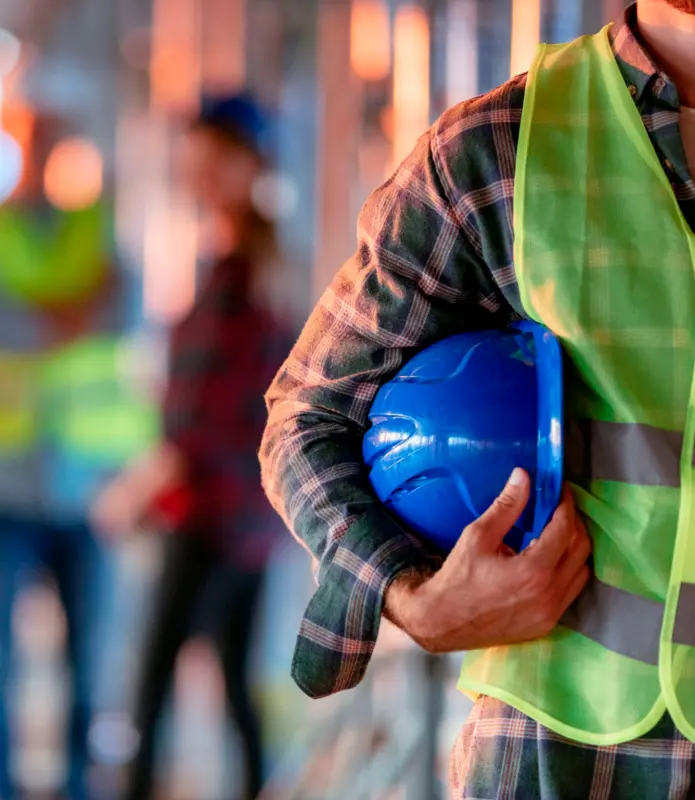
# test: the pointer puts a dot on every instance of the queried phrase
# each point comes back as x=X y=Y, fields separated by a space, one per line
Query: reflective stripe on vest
x=18 y=403
x=606 y=260
x=623 y=452
x=91 y=410
x=630 y=624
x=625 y=623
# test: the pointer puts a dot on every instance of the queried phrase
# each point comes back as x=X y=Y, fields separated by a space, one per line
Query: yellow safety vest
x=20 y=473
x=18 y=403
x=606 y=260
x=65 y=260
x=89 y=407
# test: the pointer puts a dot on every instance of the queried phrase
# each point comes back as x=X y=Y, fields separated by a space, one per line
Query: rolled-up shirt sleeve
x=415 y=278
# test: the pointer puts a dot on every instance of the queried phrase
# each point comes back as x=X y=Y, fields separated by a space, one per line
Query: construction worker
x=68 y=422
x=565 y=196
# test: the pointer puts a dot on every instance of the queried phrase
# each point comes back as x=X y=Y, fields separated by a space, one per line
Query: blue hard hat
x=242 y=116
x=448 y=430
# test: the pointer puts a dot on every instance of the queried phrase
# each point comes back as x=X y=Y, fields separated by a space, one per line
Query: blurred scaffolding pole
x=197 y=46
x=223 y=45
x=354 y=56
x=461 y=51
x=170 y=227
x=411 y=78
x=526 y=34
x=339 y=113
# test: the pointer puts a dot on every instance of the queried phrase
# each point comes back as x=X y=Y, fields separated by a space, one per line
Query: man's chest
x=674 y=144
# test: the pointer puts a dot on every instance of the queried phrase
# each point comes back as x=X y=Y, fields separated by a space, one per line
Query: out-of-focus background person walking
x=200 y=485
x=68 y=422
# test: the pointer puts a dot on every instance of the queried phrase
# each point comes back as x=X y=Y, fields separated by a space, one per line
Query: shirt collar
x=646 y=81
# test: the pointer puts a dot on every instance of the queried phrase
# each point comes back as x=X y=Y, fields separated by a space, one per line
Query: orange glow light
x=370 y=39
x=18 y=120
x=411 y=79
x=175 y=60
x=171 y=239
x=526 y=34
x=73 y=178
x=223 y=51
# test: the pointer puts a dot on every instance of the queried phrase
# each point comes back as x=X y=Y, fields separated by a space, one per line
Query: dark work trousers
x=81 y=569
x=190 y=563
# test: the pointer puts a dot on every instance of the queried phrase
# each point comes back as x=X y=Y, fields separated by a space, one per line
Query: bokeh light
x=11 y=165
x=370 y=39
x=411 y=79
x=10 y=50
x=73 y=178
x=275 y=196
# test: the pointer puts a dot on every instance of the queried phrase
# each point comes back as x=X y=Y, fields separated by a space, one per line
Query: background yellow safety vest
x=46 y=262
x=20 y=476
x=93 y=419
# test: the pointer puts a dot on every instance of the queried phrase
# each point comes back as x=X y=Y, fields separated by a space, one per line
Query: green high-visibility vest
x=63 y=261
x=19 y=428
x=20 y=469
x=89 y=409
x=606 y=260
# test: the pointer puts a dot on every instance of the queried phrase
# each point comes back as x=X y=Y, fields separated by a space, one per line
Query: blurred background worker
x=67 y=423
x=201 y=484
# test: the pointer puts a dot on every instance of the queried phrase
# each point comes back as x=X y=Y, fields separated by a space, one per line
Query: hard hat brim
x=550 y=459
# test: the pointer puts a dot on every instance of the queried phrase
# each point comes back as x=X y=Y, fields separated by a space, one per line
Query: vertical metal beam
x=175 y=68
x=339 y=121
x=592 y=16
x=526 y=32
x=566 y=20
x=223 y=50
x=411 y=78
x=264 y=59
x=170 y=234
x=461 y=51
x=428 y=683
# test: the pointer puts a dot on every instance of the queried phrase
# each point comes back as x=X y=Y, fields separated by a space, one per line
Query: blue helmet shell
x=449 y=428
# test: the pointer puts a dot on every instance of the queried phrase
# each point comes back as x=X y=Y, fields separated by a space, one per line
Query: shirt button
x=632 y=89
x=668 y=165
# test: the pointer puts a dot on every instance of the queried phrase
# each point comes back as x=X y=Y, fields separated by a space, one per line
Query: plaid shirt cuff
x=340 y=627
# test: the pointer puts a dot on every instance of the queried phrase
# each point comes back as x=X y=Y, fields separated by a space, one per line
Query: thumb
x=491 y=528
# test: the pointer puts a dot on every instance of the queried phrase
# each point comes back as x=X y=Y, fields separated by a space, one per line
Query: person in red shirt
x=202 y=483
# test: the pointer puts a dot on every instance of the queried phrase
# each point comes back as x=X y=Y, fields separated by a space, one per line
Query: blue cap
x=241 y=116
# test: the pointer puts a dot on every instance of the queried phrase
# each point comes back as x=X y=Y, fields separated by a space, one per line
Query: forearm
x=399 y=595
x=383 y=306
x=313 y=473
x=315 y=478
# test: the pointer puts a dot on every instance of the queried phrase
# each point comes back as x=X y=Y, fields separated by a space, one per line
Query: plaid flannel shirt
x=503 y=754
x=434 y=258
x=223 y=354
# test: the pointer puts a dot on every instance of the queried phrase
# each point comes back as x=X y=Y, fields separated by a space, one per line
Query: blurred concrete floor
x=198 y=751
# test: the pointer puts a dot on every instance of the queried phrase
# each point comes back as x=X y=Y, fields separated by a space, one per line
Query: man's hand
x=125 y=505
x=485 y=594
x=119 y=509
